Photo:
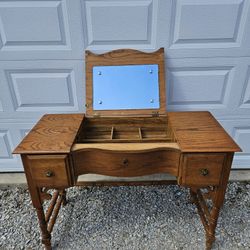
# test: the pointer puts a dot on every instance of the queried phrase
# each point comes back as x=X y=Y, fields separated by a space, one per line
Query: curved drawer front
x=126 y=164
x=200 y=169
x=50 y=170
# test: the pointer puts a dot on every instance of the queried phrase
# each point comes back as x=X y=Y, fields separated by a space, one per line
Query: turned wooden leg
x=210 y=233
x=64 y=199
x=47 y=220
x=46 y=236
x=192 y=194
x=208 y=216
x=209 y=242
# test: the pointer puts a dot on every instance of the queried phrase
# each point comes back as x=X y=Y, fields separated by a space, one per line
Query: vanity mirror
x=125 y=87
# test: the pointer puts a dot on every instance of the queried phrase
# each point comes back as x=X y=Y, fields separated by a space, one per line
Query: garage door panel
x=209 y=28
x=11 y=133
x=36 y=87
x=202 y=87
x=141 y=24
x=6 y=104
x=5 y=149
x=202 y=84
x=220 y=85
x=121 y=30
x=245 y=97
x=40 y=29
x=240 y=130
x=1 y=106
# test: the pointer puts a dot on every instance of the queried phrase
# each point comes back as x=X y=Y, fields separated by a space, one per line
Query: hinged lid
x=125 y=82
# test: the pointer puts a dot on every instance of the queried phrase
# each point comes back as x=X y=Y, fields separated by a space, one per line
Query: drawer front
x=126 y=164
x=202 y=169
x=49 y=170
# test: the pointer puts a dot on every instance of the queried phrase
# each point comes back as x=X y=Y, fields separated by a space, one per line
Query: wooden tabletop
x=199 y=131
x=194 y=131
x=54 y=133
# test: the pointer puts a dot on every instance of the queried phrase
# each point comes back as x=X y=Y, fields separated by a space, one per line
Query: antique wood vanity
x=126 y=132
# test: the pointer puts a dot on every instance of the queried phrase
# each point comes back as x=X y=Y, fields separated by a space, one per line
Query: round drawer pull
x=49 y=173
x=125 y=161
x=204 y=172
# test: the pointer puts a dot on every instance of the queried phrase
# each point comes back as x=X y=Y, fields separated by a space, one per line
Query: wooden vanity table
x=127 y=132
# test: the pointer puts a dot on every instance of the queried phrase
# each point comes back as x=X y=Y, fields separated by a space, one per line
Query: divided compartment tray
x=125 y=130
x=97 y=133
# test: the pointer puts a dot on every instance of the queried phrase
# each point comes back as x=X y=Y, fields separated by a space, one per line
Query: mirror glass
x=126 y=87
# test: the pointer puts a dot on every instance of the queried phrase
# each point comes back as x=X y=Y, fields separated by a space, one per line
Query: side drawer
x=50 y=170
x=201 y=169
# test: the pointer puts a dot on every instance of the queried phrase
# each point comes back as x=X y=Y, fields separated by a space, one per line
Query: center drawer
x=126 y=164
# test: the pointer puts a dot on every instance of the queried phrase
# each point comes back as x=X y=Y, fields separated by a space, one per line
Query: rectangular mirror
x=126 y=87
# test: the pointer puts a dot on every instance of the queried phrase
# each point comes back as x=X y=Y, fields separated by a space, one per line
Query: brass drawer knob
x=204 y=172
x=49 y=173
x=125 y=161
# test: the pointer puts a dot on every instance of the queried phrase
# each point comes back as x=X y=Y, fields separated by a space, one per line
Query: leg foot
x=209 y=242
x=209 y=216
x=46 y=236
x=64 y=199
x=192 y=194
x=47 y=244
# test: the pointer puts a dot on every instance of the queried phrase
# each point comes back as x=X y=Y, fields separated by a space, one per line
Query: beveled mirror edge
x=125 y=57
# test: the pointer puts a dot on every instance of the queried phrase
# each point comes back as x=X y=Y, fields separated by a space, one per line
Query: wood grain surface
x=57 y=165
x=192 y=165
x=125 y=130
x=112 y=163
x=126 y=147
x=199 y=131
x=54 y=133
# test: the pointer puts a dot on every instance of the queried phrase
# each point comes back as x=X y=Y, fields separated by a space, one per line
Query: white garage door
x=42 y=47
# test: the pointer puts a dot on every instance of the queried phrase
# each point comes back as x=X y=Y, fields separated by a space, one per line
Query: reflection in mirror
x=126 y=87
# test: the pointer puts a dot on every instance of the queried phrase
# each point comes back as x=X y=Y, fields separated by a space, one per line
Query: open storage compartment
x=122 y=129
